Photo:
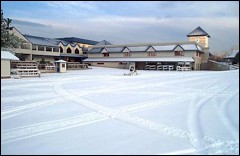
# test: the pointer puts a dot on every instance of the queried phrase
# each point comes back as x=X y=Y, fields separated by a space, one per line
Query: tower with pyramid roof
x=200 y=36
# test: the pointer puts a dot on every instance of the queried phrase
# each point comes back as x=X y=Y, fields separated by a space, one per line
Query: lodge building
x=36 y=48
x=154 y=56
x=191 y=54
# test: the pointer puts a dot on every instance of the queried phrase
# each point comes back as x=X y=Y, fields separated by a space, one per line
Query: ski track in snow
x=202 y=144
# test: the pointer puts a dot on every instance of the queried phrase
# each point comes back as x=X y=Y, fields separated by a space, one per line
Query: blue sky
x=128 y=21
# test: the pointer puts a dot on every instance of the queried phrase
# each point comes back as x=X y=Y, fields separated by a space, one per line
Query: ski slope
x=101 y=111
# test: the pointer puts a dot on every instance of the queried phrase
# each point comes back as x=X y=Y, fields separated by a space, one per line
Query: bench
x=76 y=65
x=160 y=67
x=28 y=72
x=183 y=68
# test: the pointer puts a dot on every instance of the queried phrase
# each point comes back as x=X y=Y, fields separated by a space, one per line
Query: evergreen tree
x=8 y=41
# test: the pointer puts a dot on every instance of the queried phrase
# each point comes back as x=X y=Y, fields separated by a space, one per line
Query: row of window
x=41 y=48
x=50 y=49
x=152 y=53
x=69 y=51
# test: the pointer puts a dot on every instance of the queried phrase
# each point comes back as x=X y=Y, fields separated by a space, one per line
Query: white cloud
x=134 y=22
x=224 y=31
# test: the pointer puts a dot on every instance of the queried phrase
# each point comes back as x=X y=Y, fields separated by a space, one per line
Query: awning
x=155 y=59
x=73 y=55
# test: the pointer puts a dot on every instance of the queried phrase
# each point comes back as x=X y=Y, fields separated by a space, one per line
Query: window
x=48 y=48
x=198 y=54
x=197 y=40
x=25 y=46
x=179 y=53
x=69 y=50
x=34 y=47
x=63 y=65
x=55 y=49
x=61 y=50
x=101 y=63
x=76 y=51
x=105 y=54
x=126 y=54
x=151 y=53
x=40 y=48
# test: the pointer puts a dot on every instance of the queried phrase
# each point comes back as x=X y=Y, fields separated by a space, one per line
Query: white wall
x=5 y=68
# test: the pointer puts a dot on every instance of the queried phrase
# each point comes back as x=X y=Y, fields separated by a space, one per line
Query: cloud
x=27 y=23
x=224 y=31
x=135 y=22
x=72 y=4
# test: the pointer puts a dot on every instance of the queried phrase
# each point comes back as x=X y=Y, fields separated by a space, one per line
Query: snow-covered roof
x=233 y=54
x=141 y=48
x=61 y=61
x=103 y=42
x=95 y=50
x=41 y=40
x=72 y=55
x=158 y=59
x=164 y=48
x=189 y=47
x=6 y=55
x=115 y=49
x=199 y=48
x=198 y=32
x=77 y=40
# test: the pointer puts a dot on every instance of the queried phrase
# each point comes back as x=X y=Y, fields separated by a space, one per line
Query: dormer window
x=105 y=54
x=127 y=54
x=151 y=53
x=69 y=50
x=76 y=51
x=61 y=50
x=178 y=53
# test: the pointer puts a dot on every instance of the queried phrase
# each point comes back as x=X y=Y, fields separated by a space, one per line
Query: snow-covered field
x=101 y=111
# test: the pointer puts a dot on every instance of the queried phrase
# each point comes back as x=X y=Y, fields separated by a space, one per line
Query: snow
x=62 y=61
x=165 y=47
x=233 y=54
x=101 y=111
x=6 y=55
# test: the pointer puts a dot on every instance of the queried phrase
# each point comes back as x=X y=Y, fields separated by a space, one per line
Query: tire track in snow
x=226 y=118
x=202 y=143
x=24 y=86
x=133 y=120
x=27 y=108
x=104 y=112
x=24 y=97
x=195 y=126
x=29 y=131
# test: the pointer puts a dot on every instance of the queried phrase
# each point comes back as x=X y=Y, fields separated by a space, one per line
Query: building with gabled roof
x=191 y=53
x=72 y=49
x=6 y=57
x=77 y=40
x=230 y=57
x=37 y=48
